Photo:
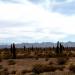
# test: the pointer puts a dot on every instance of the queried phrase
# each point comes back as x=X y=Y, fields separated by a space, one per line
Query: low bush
x=60 y=67
x=72 y=67
x=38 y=68
x=11 y=62
x=6 y=71
x=1 y=67
x=46 y=59
x=13 y=72
x=51 y=63
x=36 y=58
x=25 y=71
x=0 y=60
x=62 y=61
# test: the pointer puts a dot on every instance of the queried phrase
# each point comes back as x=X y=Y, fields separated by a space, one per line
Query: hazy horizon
x=37 y=21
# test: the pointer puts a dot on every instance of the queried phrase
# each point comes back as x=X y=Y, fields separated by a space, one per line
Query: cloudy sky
x=37 y=21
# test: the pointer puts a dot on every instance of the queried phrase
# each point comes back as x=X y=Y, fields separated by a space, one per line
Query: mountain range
x=43 y=44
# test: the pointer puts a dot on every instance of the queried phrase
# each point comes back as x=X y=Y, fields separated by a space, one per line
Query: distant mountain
x=44 y=44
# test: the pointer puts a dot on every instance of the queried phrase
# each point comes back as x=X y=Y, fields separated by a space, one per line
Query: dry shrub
x=46 y=59
x=60 y=67
x=6 y=71
x=25 y=71
x=11 y=62
x=0 y=60
x=13 y=72
x=51 y=63
x=36 y=58
x=6 y=55
x=72 y=67
x=3 y=71
x=1 y=67
x=62 y=61
x=38 y=68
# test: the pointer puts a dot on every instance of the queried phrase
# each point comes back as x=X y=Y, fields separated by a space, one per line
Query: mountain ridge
x=43 y=44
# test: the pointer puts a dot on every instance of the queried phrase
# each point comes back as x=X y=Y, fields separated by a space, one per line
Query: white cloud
x=69 y=0
x=47 y=21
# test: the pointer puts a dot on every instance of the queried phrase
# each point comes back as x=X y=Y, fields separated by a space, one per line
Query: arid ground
x=58 y=60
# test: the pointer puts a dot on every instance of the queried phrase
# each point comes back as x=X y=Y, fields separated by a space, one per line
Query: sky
x=37 y=21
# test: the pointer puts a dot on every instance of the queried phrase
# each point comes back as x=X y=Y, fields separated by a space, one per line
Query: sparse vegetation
x=13 y=72
x=0 y=60
x=72 y=67
x=23 y=72
x=11 y=62
x=38 y=68
x=50 y=63
x=6 y=71
x=46 y=59
x=61 y=61
x=37 y=60
x=1 y=67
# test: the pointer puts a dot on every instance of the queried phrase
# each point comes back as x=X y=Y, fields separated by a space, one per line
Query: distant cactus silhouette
x=32 y=48
x=57 y=51
x=59 y=48
x=13 y=51
x=24 y=48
